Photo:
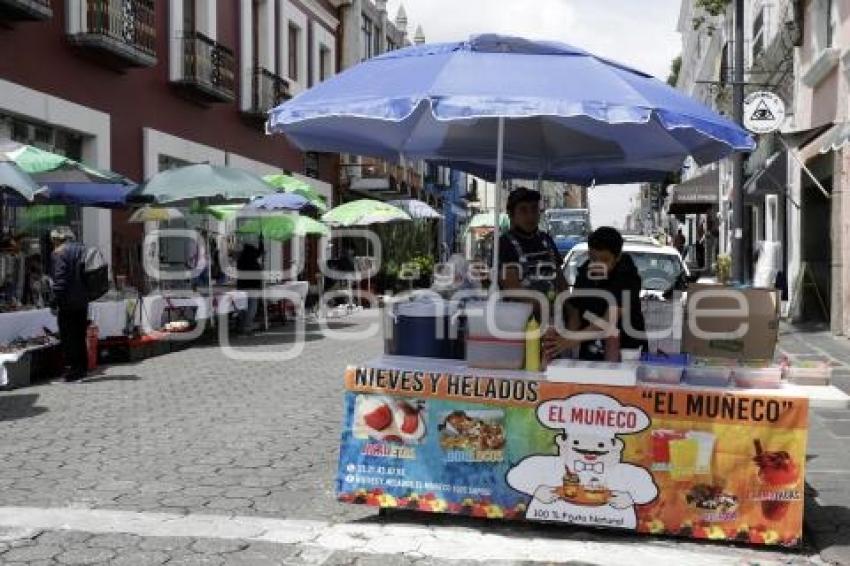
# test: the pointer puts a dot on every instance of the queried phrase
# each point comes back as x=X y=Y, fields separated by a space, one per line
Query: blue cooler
x=426 y=329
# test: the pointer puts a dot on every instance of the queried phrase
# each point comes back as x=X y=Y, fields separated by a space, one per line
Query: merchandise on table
x=495 y=353
x=496 y=334
x=758 y=309
x=654 y=372
x=708 y=376
x=808 y=372
x=757 y=378
x=592 y=373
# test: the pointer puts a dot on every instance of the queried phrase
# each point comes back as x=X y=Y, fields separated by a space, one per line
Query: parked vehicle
x=661 y=267
x=567 y=226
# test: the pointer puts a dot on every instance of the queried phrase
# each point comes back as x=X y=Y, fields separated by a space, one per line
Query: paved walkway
x=827 y=511
x=196 y=458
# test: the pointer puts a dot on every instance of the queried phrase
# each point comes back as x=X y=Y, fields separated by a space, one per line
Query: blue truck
x=567 y=226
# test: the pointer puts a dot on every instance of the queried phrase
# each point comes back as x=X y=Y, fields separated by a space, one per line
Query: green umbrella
x=290 y=184
x=284 y=227
x=208 y=183
x=485 y=220
x=364 y=212
x=47 y=167
x=218 y=211
x=42 y=215
x=14 y=179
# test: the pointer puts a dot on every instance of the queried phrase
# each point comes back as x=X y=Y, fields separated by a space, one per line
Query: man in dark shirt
x=613 y=273
x=249 y=278
x=70 y=301
x=528 y=258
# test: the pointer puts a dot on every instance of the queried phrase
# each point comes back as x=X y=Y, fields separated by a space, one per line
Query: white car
x=661 y=267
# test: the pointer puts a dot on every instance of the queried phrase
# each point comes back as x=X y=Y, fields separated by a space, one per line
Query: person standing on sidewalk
x=249 y=278
x=71 y=302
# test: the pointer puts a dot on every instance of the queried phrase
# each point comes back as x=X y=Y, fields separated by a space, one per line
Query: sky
x=638 y=33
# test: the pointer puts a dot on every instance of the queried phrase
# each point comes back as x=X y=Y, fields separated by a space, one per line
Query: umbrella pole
x=497 y=204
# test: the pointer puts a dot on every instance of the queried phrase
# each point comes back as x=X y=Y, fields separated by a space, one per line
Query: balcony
x=267 y=91
x=124 y=31
x=209 y=69
x=381 y=180
x=25 y=10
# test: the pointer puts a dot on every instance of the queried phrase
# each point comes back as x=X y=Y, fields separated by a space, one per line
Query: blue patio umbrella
x=504 y=106
x=102 y=195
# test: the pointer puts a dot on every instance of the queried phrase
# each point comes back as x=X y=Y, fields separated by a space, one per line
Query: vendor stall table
x=287 y=291
x=26 y=324
x=156 y=306
x=113 y=318
x=438 y=436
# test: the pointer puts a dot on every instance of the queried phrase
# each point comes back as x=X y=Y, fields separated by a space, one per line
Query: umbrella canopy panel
x=201 y=182
x=364 y=212
x=290 y=184
x=283 y=201
x=570 y=116
x=416 y=208
x=155 y=214
x=14 y=179
x=284 y=227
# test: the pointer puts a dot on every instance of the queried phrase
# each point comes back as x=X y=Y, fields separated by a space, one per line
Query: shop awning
x=770 y=178
x=696 y=195
x=836 y=138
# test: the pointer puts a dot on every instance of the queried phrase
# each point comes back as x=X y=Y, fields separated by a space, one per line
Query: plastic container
x=667 y=374
x=820 y=374
x=492 y=353
x=630 y=354
x=708 y=376
x=426 y=329
x=757 y=378
x=507 y=318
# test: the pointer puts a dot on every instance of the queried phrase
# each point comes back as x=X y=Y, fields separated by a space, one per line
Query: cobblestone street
x=194 y=458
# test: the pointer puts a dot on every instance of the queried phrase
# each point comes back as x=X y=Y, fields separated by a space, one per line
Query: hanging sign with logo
x=764 y=112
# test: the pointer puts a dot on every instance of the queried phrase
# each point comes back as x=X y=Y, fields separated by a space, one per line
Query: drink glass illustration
x=777 y=471
x=661 y=446
x=683 y=458
x=705 y=443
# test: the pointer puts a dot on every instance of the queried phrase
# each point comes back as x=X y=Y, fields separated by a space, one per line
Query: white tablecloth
x=154 y=306
x=26 y=324
x=111 y=316
x=298 y=288
x=8 y=358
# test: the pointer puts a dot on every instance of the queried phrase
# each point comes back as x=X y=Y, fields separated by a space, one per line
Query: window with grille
x=294 y=33
x=368 y=45
x=758 y=33
x=831 y=22
x=325 y=64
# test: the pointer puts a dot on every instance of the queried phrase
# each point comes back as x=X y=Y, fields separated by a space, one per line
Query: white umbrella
x=416 y=208
x=154 y=214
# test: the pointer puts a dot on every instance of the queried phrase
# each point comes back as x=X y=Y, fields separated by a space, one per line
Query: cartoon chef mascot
x=587 y=482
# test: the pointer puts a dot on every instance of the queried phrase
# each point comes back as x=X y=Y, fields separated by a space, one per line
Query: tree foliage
x=675 y=68
x=713 y=7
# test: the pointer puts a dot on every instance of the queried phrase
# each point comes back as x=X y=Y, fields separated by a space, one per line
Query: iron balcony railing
x=127 y=26
x=209 y=66
x=268 y=90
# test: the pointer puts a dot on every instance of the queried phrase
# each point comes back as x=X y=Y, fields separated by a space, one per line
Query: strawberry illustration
x=380 y=418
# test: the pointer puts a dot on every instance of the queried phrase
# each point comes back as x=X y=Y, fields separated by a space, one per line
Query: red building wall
x=38 y=55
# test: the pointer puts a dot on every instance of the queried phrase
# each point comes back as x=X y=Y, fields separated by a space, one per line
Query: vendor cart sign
x=764 y=112
x=698 y=463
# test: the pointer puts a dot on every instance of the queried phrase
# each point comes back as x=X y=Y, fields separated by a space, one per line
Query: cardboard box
x=714 y=313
